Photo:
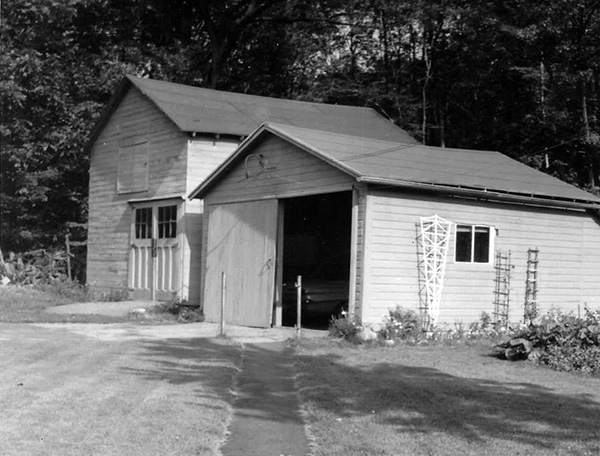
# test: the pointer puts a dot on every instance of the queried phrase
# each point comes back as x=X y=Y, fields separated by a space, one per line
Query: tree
x=520 y=76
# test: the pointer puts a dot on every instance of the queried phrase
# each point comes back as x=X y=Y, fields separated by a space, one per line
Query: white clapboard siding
x=205 y=153
x=360 y=252
x=568 y=241
x=135 y=119
x=590 y=278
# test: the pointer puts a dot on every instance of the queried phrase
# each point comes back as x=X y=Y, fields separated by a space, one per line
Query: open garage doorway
x=316 y=246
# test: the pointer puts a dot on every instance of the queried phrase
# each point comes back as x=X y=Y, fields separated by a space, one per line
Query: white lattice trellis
x=435 y=238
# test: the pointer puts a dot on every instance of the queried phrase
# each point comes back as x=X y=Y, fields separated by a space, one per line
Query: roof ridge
x=136 y=79
x=396 y=143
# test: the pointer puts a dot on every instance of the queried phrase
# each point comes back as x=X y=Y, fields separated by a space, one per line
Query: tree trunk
x=587 y=134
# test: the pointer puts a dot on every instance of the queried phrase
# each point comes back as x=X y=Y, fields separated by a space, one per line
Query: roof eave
x=486 y=194
x=108 y=110
x=126 y=83
x=201 y=189
x=313 y=151
x=209 y=181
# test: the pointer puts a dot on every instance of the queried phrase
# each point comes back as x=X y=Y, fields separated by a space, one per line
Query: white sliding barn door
x=242 y=244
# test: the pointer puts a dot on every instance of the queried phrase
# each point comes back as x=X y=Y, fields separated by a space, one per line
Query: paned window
x=473 y=244
x=167 y=222
x=143 y=223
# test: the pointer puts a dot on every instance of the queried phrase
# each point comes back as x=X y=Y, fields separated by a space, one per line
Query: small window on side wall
x=473 y=244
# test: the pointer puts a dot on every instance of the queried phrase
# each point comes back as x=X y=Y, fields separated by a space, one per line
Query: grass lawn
x=28 y=304
x=442 y=400
x=68 y=394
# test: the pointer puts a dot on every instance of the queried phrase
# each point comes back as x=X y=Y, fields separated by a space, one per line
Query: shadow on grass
x=208 y=365
x=264 y=390
x=407 y=399
x=424 y=400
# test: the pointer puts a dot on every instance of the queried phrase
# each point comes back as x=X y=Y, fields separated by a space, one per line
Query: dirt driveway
x=114 y=390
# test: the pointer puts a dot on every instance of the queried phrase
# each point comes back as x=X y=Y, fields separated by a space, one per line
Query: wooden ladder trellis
x=531 y=287
x=435 y=236
x=503 y=268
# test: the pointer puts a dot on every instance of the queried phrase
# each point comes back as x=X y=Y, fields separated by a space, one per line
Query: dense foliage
x=563 y=342
x=522 y=77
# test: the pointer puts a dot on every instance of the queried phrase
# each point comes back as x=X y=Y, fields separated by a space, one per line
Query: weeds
x=561 y=341
x=400 y=324
x=181 y=310
x=344 y=328
x=113 y=295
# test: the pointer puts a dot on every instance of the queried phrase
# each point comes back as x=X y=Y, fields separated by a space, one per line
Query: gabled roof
x=475 y=173
x=198 y=110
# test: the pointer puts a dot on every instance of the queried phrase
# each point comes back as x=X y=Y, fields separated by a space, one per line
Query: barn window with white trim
x=473 y=244
x=143 y=223
x=167 y=222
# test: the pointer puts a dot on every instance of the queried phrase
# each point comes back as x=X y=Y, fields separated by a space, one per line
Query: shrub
x=399 y=324
x=561 y=341
x=485 y=328
x=571 y=357
x=344 y=328
x=36 y=267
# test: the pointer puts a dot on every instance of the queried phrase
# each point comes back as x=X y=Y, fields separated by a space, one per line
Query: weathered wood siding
x=569 y=256
x=204 y=155
x=284 y=171
x=287 y=172
x=135 y=120
x=241 y=244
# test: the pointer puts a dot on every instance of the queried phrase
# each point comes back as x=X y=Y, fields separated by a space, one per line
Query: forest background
x=518 y=76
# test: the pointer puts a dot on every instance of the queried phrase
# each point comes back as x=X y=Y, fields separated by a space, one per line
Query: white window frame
x=491 y=246
x=155 y=205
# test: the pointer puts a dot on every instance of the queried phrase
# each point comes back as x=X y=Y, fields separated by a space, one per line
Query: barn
x=448 y=232
x=154 y=142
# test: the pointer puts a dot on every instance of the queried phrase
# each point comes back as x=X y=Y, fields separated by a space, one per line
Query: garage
x=350 y=213
x=272 y=214
x=316 y=246
x=257 y=249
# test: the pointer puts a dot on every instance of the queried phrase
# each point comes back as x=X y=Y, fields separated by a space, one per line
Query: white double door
x=154 y=256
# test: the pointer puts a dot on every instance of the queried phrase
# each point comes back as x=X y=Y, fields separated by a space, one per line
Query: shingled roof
x=484 y=174
x=199 y=110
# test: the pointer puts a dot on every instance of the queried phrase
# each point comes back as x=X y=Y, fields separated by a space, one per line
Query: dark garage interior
x=316 y=246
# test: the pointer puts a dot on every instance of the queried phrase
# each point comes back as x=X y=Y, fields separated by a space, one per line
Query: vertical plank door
x=154 y=252
x=242 y=244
